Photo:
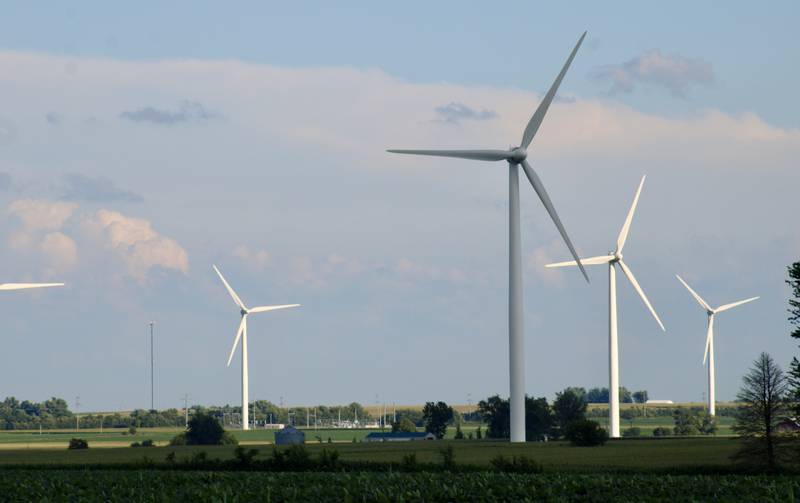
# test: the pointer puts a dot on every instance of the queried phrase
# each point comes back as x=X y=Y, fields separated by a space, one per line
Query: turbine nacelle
x=617 y=257
x=518 y=155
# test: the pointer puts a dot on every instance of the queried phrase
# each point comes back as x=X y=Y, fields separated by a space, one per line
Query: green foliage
x=448 y=456
x=144 y=443
x=516 y=464
x=586 y=433
x=295 y=457
x=600 y=395
x=568 y=407
x=436 y=416
x=640 y=396
x=497 y=413
x=479 y=433
x=794 y=319
x=132 y=430
x=633 y=431
x=244 y=457
x=409 y=461
x=662 y=431
x=204 y=429
x=404 y=424
x=459 y=435
x=686 y=422
x=328 y=459
x=78 y=443
x=763 y=397
x=179 y=439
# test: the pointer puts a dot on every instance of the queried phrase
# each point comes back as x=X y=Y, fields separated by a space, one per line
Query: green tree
x=685 y=422
x=794 y=319
x=640 y=396
x=496 y=414
x=538 y=418
x=436 y=416
x=404 y=424
x=204 y=429
x=763 y=398
x=568 y=407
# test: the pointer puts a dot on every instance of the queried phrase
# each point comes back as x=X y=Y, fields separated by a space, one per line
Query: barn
x=289 y=435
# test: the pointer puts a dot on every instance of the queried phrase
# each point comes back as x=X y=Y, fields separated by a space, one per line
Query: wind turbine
x=709 y=351
x=613 y=350
x=516 y=156
x=241 y=333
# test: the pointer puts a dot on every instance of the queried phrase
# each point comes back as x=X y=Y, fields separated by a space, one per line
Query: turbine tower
x=613 y=351
x=709 y=351
x=516 y=157
x=241 y=333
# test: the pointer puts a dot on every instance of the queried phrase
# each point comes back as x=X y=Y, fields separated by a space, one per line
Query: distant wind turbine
x=516 y=156
x=709 y=351
x=241 y=333
x=613 y=351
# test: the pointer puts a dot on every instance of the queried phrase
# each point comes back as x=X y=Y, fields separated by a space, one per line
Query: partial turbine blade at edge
x=541 y=110
x=603 y=259
x=626 y=227
x=475 y=155
x=538 y=186
x=709 y=335
x=264 y=309
x=27 y=286
x=725 y=307
x=233 y=295
x=639 y=290
x=238 y=336
x=697 y=297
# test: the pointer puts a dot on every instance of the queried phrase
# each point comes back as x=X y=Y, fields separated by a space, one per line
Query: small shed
x=788 y=425
x=289 y=436
x=398 y=436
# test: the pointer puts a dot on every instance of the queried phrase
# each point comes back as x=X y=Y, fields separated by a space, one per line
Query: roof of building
x=398 y=434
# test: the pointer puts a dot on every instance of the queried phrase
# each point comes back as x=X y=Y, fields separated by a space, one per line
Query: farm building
x=659 y=402
x=788 y=425
x=398 y=436
x=289 y=435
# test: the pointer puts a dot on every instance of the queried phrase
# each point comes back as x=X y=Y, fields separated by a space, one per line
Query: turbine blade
x=27 y=286
x=476 y=155
x=695 y=295
x=263 y=309
x=623 y=234
x=734 y=304
x=238 y=336
x=235 y=297
x=709 y=335
x=541 y=110
x=603 y=259
x=538 y=186
x=639 y=290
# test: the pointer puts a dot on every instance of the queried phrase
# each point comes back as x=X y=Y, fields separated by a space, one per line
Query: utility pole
x=186 y=409
x=152 y=387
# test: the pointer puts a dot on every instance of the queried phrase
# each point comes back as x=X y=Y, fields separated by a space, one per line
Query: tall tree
x=568 y=407
x=640 y=396
x=437 y=415
x=794 y=319
x=496 y=413
x=763 y=397
x=538 y=418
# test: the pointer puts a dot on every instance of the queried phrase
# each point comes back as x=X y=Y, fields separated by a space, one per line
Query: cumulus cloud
x=60 y=251
x=78 y=187
x=675 y=73
x=454 y=113
x=188 y=111
x=135 y=241
x=42 y=214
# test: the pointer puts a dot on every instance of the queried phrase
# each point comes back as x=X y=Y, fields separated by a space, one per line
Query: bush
x=409 y=461
x=296 y=457
x=459 y=434
x=517 y=464
x=328 y=459
x=448 y=457
x=633 y=431
x=662 y=432
x=179 y=439
x=586 y=433
x=132 y=430
x=244 y=456
x=145 y=443
x=78 y=443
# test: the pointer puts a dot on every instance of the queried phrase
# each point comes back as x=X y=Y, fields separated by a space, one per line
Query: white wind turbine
x=709 y=351
x=241 y=333
x=613 y=351
x=516 y=157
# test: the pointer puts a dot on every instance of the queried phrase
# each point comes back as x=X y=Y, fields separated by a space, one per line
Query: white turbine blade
x=734 y=304
x=541 y=110
x=603 y=259
x=230 y=290
x=623 y=234
x=538 y=186
x=264 y=309
x=27 y=286
x=476 y=155
x=238 y=336
x=709 y=336
x=695 y=295
x=639 y=290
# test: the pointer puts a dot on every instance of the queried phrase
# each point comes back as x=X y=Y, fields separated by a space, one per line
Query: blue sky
x=140 y=144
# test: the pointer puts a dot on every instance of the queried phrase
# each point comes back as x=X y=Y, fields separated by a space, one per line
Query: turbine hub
x=518 y=155
x=244 y=312
x=617 y=257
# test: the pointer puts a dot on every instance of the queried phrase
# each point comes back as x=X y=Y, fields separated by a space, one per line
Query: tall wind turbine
x=709 y=351
x=241 y=333
x=516 y=157
x=613 y=351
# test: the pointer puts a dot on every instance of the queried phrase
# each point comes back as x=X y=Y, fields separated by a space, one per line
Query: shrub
x=328 y=459
x=459 y=434
x=179 y=439
x=296 y=457
x=517 y=464
x=409 y=461
x=229 y=438
x=479 y=433
x=586 y=433
x=78 y=443
x=633 y=431
x=244 y=456
x=136 y=444
x=662 y=432
x=145 y=443
x=448 y=457
x=132 y=430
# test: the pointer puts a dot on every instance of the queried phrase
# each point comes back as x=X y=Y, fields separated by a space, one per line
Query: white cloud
x=60 y=250
x=41 y=214
x=255 y=259
x=136 y=242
